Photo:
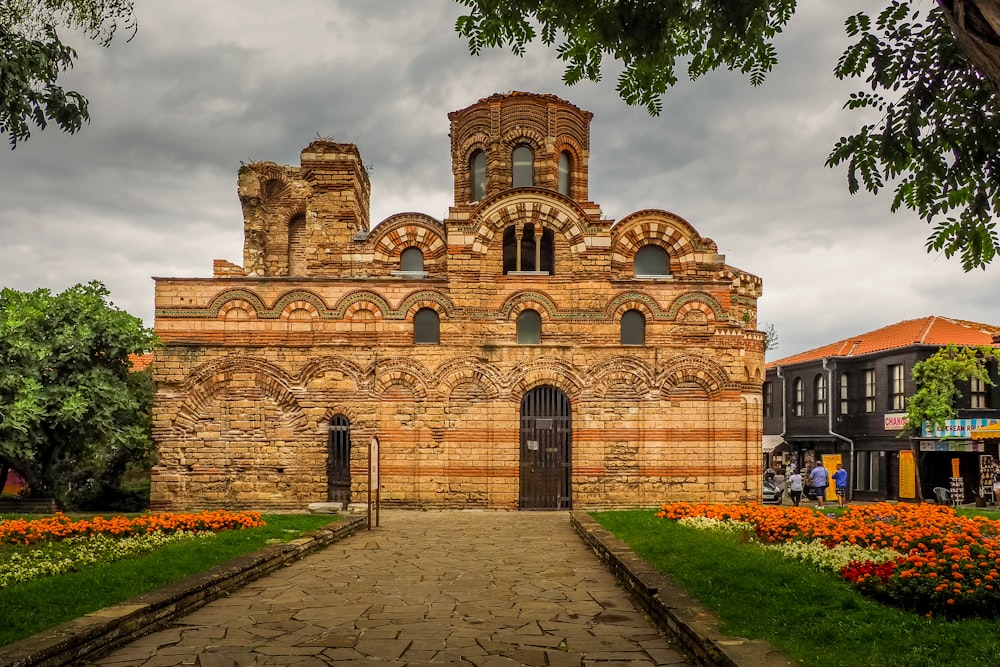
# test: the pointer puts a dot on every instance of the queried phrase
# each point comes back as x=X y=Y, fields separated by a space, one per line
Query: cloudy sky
x=149 y=187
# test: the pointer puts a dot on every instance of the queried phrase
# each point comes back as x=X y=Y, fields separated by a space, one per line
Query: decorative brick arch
x=300 y=305
x=460 y=371
x=653 y=227
x=361 y=300
x=317 y=367
x=245 y=299
x=534 y=205
x=696 y=301
x=432 y=299
x=351 y=412
x=523 y=136
x=211 y=379
x=702 y=371
x=523 y=300
x=644 y=303
x=621 y=370
x=409 y=230
x=403 y=371
x=546 y=371
x=240 y=305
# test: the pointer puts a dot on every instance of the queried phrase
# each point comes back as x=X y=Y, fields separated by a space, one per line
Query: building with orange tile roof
x=846 y=402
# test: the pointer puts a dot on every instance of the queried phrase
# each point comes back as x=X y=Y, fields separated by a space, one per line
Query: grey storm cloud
x=149 y=187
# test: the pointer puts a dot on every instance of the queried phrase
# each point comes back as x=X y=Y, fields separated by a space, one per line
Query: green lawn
x=43 y=603
x=811 y=616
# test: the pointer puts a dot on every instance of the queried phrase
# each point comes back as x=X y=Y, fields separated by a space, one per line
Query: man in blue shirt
x=820 y=480
x=840 y=479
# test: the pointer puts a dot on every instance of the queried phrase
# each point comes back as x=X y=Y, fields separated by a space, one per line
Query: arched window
x=524 y=252
x=565 y=166
x=426 y=326
x=297 y=246
x=529 y=328
x=798 y=397
x=819 y=395
x=651 y=260
x=633 y=328
x=478 y=168
x=523 y=172
x=411 y=259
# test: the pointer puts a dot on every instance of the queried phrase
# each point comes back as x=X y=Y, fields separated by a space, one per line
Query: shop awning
x=772 y=442
x=991 y=432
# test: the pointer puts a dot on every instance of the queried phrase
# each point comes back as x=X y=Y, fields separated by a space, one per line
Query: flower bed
x=30 y=549
x=924 y=558
x=60 y=526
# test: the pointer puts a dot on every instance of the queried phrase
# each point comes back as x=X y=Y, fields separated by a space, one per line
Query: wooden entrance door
x=546 y=429
x=338 y=461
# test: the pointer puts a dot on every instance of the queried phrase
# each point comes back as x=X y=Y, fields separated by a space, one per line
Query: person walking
x=820 y=480
x=840 y=481
x=795 y=487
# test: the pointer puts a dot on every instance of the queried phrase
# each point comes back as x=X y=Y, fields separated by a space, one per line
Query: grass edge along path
x=38 y=605
x=811 y=616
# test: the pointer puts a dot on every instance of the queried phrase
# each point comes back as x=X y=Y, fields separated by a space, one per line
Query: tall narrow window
x=524 y=252
x=411 y=259
x=297 y=246
x=896 y=396
x=529 y=328
x=426 y=326
x=819 y=395
x=768 y=391
x=845 y=402
x=633 y=328
x=651 y=260
x=478 y=170
x=565 y=166
x=978 y=396
x=523 y=172
x=798 y=398
x=870 y=390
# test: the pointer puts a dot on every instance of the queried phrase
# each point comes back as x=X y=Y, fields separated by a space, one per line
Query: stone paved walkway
x=485 y=589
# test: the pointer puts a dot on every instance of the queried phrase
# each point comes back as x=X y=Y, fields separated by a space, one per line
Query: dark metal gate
x=338 y=461
x=546 y=429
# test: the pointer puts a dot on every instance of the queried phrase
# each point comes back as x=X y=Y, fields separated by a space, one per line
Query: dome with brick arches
x=519 y=140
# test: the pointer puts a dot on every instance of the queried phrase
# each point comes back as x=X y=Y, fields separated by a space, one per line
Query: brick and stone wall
x=319 y=322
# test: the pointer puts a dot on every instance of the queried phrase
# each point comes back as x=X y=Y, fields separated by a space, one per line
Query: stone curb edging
x=671 y=608
x=101 y=631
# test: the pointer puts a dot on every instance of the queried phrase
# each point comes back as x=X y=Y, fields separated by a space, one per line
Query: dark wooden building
x=848 y=399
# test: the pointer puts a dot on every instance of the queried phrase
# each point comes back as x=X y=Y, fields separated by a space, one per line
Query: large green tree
x=931 y=70
x=32 y=56
x=72 y=414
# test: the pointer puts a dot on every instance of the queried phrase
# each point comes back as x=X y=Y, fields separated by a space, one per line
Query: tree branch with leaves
x=33 y=56
x=933 y=69
x=937 y=379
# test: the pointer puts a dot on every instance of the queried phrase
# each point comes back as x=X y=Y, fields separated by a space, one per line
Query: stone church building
x=525 y=352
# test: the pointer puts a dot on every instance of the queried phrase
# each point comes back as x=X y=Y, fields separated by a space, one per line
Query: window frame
x=631 y=328
x=767 y=398
x=845 y=394
x=979 y=396
x=421 y=334
x=646 y=250
x=522 y=174
x=477 y=175
x=798 y=397
x=897 y=387
x=819 y=395
x=521 y=324
x=870 y=403
x=565 y=172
